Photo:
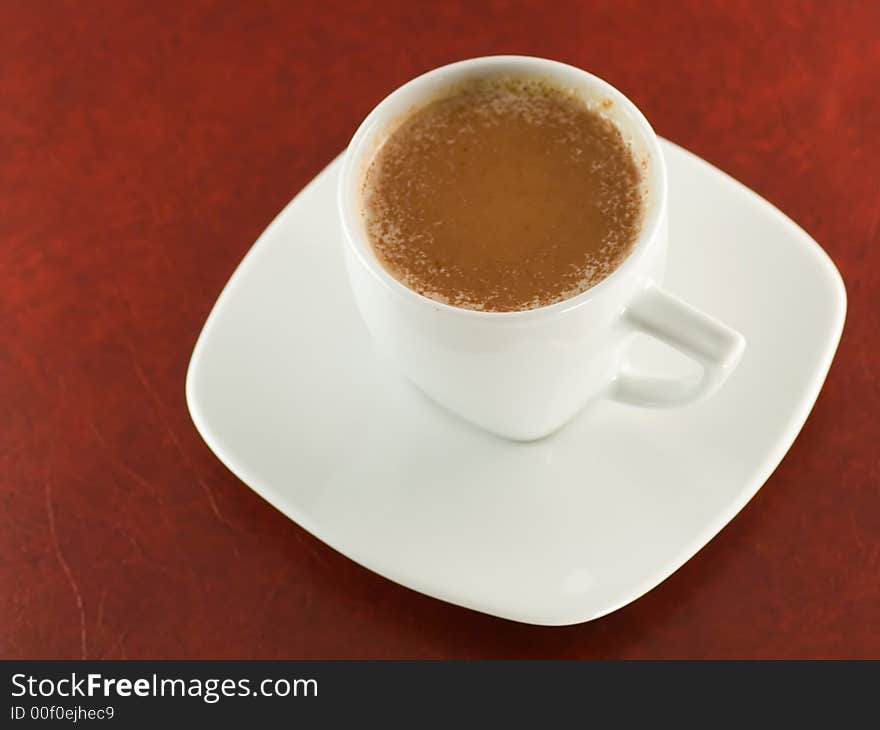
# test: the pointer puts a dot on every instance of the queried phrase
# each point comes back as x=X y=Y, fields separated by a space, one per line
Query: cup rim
x=350 y=215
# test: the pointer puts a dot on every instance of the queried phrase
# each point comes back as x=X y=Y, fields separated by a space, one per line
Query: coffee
x=504 y=194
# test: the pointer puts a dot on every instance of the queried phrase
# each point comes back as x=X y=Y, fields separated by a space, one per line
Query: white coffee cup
x=523 y=374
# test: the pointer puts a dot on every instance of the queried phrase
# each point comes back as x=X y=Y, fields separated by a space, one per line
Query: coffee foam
x=430 y=156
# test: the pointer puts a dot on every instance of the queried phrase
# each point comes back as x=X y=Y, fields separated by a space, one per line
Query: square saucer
x=286 y=389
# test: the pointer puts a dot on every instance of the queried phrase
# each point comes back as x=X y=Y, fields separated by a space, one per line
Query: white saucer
x=285 y=388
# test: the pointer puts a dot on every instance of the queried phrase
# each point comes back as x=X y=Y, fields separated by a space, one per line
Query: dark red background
x=144 y=147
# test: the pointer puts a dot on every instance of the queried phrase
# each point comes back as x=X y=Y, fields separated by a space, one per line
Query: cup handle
x=714 y=345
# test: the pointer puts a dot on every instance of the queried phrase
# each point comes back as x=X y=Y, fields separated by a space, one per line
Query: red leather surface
x=144 y=147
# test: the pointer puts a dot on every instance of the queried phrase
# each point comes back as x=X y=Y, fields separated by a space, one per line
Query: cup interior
x=400 y=104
